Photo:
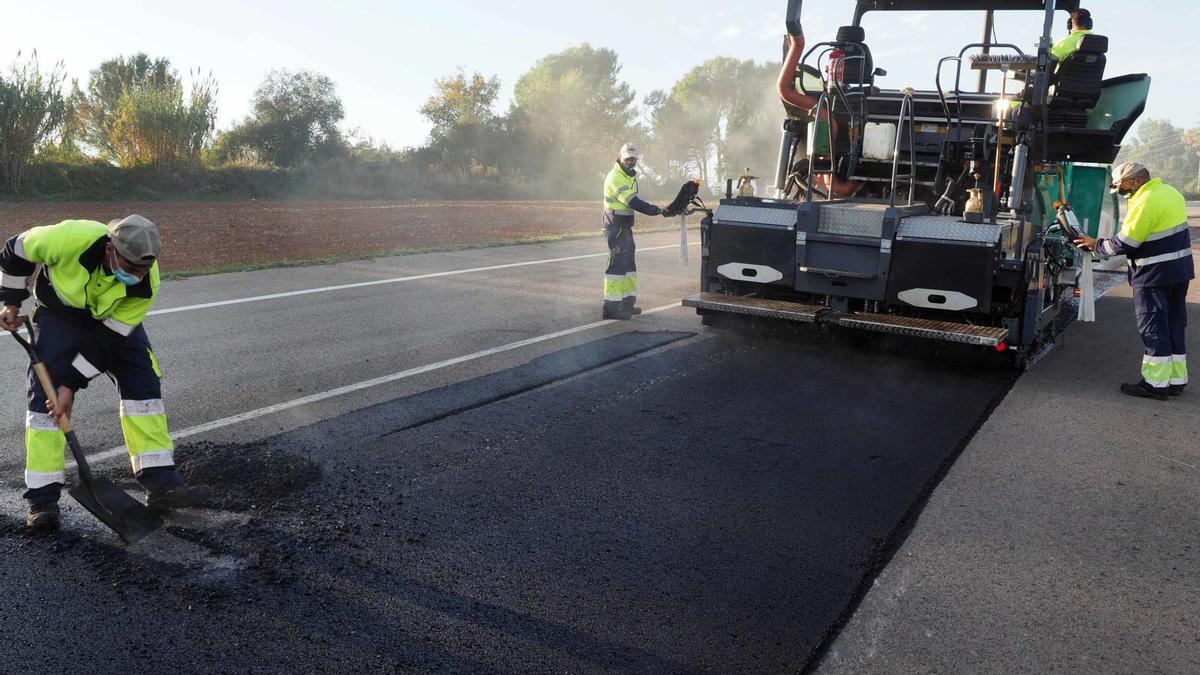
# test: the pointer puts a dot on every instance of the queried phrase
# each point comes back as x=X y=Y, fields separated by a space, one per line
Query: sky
x=385 y=56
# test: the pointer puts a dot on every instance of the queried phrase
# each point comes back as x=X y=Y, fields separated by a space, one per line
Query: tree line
x=568 y=115
x=135 y=123
x=1170 y=153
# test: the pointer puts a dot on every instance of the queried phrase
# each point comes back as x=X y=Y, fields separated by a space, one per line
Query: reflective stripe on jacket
x=1154 y=237
x=74 y=282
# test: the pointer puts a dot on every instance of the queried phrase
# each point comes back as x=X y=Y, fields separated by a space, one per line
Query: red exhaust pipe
x=801 y=105
x=797 y=104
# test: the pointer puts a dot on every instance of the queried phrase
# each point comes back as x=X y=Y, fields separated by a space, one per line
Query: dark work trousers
x=136 y=375
x=1161 y=321
x=620 y=279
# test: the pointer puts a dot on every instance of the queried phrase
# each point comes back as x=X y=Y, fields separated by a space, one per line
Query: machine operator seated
x=1079 y=26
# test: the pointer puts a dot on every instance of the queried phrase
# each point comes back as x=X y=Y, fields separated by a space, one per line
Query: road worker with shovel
x=92 y=286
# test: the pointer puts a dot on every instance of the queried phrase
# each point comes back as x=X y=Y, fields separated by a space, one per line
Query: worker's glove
x=655 y=210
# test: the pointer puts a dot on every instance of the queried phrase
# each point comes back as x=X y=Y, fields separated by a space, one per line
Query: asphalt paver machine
x=943 y=214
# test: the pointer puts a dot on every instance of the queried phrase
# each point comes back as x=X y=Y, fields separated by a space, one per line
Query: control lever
x=1068 y=223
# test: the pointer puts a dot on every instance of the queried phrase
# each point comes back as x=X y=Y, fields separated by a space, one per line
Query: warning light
x=1001 y=347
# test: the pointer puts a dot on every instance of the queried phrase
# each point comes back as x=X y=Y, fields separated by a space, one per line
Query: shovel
x=114 y=507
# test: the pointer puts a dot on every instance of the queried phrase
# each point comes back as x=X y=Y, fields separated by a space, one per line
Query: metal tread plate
x=948 y=228
x=777 y=217
x=850 y=219
x=740 y=304
x=947 y=331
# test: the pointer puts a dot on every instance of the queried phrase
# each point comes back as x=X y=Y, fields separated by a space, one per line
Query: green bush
x=32 y=109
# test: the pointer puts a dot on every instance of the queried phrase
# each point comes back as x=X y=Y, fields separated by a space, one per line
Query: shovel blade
x=114 y=507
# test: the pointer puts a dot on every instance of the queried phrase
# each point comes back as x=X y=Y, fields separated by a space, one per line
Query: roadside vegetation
x=138 y=130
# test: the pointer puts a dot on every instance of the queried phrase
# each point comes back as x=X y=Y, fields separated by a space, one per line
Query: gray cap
x=135 y=238
x=1127 y=170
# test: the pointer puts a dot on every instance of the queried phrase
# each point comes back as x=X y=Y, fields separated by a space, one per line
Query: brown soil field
x=212 y=235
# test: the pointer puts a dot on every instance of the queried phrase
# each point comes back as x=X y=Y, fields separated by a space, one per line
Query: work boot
x=178 y=497
x=634 y=311
x=1175 y=389
x=42 y=517
x=1143 y=390
x=620 y=314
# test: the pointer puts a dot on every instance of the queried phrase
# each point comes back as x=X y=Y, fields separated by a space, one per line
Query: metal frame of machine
x=923 y=213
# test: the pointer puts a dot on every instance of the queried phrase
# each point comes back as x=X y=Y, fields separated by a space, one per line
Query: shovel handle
x=39 y=369
x=43 y=377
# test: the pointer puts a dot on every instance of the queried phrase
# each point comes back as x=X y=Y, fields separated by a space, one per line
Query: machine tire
x=1020 y=360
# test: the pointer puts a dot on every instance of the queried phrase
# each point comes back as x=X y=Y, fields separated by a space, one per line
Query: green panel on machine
x=818 y=139
x=1087 y=187
x=1048 y=187
x=1086 y=192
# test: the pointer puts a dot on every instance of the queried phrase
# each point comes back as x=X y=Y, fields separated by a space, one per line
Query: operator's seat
x=1076 y=83
x=858 y=74
x=855 y=71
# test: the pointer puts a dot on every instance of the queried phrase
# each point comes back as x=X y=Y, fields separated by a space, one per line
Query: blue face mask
x=124 y=277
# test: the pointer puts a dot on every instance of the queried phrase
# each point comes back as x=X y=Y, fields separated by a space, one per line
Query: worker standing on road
x=1156 y=242
x=1079 y=25
x=92 y=287
x=620 y=201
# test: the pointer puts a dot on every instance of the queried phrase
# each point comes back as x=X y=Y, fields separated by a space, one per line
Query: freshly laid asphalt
x=712 y=506
x=1064 y=539
x=643 y=496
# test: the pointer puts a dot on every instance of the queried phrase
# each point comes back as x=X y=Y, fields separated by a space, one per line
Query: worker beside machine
x=620 y=201
x=1156 y=242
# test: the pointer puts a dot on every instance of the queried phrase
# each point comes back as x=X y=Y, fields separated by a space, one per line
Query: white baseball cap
x=1127 y=170
x=629 y=150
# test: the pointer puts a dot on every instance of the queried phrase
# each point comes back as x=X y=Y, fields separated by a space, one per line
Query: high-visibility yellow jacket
x=74 y=281
x=1154 y=237
x=1068 y=45
x=621 y=198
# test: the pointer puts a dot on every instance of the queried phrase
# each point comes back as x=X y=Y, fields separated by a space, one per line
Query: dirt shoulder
x=214 y=235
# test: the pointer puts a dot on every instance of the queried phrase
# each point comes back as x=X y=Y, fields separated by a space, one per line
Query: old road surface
x=448 y=462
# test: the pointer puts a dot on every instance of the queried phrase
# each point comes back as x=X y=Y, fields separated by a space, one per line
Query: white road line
x=358 y=386
x=1190 y=466
x=396 y=280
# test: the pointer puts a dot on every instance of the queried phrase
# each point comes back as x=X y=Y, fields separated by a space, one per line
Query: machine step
x=946 y=331
x=771 y=309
